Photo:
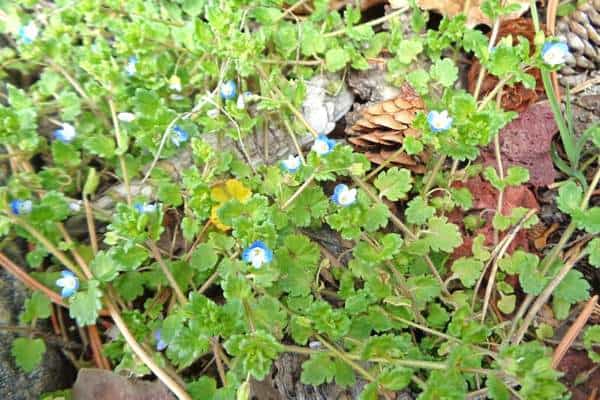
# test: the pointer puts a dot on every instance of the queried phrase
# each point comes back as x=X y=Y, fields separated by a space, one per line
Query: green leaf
x=444 y=71
x=467 y=270
x=394 y=183
x=418 y=212
x=104 y=268
x=593 y=251
x=408 y=50
x=256 y=352
x=591 y=337
x=317 y=370
x=84 y=305
x=395 y=378
x=203 y=258
x=569 y=197
x=507 y=303
x=516 y=176
x=28 y=353
x=573 y=288
x=419 y=80
x=36 y=307
x=336 y=59
x=442 y=235
x=193 y=7
x=497 y=389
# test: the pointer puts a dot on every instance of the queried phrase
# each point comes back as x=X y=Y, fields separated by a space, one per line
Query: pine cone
x=381 y=128
x=581 y=31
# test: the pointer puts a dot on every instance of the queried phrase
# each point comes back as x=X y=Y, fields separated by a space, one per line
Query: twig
x=297 y=192
x=376 y=21
x=165 y=269
x=573 y=332
x=96 y=345
x=215 y=348
x=33 y=284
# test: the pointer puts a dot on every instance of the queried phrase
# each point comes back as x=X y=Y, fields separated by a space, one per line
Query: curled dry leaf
x=526 y=142
x=516 y=97
x=450 y=8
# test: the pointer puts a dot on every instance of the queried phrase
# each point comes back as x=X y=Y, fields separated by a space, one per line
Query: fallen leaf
x=542 y=239
x=526 y=142
x=450 y=8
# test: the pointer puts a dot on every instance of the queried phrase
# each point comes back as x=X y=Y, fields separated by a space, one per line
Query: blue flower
x=20 y=207
x=145 y=208
x=28 y=33
x=69 y=283
x=66 y=134
x=179 y=135
x=257 y=254
x=323 y=145
x=555 y=53
x=291 y=164
x=343 y=195
x=228 y=90
x=131 y=69
x=439 y=121
x=160 y=344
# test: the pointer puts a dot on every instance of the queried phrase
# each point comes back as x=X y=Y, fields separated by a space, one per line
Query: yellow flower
x=222 y=192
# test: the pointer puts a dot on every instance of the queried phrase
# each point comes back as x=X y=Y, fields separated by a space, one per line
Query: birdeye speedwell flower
x=20 y=207
x=343 y=195
x=68 y=282
x=257 y=254
x=323 y=145
x=291 y=164
x=555 y=53
x=160 y=344
x=66 y=134
x=145 y=208
x=179 y=135
x=28 y=33
x=228 y=90
x=130 y=68
x=439 y=121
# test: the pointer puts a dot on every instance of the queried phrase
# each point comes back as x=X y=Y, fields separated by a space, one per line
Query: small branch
x=573 y=332
x=165 y=269
x=215 y=348
x=30 y=282
x=298 y=192
x=376 y=21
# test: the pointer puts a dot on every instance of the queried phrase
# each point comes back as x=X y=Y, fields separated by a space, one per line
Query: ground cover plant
x=415 y=276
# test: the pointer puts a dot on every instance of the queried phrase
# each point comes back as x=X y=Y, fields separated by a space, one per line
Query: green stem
x=298 y=192
x=436 y=168
x=370 y=23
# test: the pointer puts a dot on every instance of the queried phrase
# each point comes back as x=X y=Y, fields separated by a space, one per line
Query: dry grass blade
x=574 y=331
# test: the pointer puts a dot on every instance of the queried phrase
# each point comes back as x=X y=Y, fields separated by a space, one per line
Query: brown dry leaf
x=541 y=241
x=450 y=8
x=526 y=142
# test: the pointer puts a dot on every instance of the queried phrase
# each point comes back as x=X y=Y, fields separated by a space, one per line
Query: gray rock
x=98 y=384
x=54 y=373
x=323 y=109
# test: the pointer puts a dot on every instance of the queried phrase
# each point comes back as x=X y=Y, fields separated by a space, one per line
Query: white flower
x=343 y=195
x=291 y=164
x=439 y=121
x=66 y=134
x=213 y=113
x=323 y=145
x=555 y=53
x=257 y=254
x=126 y=117
x=29 y=32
